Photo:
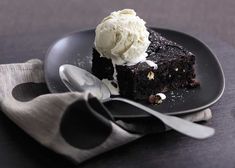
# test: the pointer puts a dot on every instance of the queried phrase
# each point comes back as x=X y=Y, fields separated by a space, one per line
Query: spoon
x=77 y=79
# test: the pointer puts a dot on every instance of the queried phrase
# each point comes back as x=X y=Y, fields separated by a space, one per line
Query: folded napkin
x=73 y=124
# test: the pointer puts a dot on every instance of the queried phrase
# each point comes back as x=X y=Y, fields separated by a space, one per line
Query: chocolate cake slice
x=175 y=70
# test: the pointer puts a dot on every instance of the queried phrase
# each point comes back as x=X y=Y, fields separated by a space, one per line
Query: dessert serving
x=137 y=62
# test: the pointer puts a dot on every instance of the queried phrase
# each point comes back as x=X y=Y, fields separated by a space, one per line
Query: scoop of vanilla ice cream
x=122 y=37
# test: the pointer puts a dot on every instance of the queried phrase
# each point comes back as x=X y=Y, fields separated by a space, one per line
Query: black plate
x=76 y=49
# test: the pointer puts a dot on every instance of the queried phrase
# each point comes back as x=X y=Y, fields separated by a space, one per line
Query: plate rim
x=155 y=28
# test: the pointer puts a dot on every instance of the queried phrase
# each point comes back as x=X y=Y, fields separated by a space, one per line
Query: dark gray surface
x=28 y=28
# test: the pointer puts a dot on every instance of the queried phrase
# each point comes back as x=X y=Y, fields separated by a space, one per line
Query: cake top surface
x=162 y=50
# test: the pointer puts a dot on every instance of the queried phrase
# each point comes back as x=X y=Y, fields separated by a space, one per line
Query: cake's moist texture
x=175 y=69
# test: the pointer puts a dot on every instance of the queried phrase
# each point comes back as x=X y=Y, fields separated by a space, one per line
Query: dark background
x=27 y=29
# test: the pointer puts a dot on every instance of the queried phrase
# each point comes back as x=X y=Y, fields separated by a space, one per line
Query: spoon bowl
x=77 y=79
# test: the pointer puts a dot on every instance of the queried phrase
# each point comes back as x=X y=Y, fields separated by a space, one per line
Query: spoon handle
x=183 y=126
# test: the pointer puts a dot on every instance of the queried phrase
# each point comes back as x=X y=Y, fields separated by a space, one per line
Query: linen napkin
x=72 y=124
